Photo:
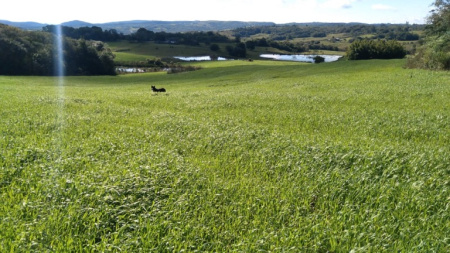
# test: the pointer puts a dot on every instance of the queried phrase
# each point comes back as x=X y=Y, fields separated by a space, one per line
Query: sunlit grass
x=238 y=156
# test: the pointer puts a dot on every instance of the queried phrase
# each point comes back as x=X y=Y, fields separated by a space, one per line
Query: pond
x=199 y=58
x=300 y=57
x=130 y=70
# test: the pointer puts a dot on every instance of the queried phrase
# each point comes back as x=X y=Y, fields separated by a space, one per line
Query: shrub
x=318 y=59
x=238 y=51
x=435 y=52
x=380 y=49
x=214 y=47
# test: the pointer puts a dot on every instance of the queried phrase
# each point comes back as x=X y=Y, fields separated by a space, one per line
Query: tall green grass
x=239 y=156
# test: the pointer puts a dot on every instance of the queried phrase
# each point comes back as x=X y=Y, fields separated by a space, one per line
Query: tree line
x=189 y=38
x=434 y=52
x=287 y=32
x=87 y=33
x=33 y=53
x=141 y=35
x=289 y=46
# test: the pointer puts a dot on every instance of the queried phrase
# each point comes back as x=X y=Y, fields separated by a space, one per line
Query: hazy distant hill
x=127 y=27
x=24 y=25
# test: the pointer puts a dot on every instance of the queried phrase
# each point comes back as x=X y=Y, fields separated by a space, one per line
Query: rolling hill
x=127 y=27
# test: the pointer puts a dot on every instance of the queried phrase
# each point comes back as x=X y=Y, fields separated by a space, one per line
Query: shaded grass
x=126 y=51
x=239 y=156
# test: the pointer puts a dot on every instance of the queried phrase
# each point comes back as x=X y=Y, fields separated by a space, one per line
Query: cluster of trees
x=384 y=31
x=141 y=35
x=282 y=32
x=288 y=46
x=435 y=50
x=375 y=49
x=397 y=35
x=191 y=38
x=275 y=32
x=319 y=30
x=82 y=57
x=87 y=33
x=34 y=53
x=239 y=50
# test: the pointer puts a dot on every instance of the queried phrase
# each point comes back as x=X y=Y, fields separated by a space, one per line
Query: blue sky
x=278 y=11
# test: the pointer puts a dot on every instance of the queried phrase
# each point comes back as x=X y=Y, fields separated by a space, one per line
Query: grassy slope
x=238 y=156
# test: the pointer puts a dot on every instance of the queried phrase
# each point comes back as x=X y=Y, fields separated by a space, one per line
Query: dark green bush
x=319 y=59
x=375 y=49
x=435 y=51
x=33 y=53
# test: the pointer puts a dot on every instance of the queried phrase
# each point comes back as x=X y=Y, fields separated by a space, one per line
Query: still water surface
x=300 y=57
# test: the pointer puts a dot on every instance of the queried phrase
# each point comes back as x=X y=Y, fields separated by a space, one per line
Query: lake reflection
x=199 y=58
x=300 y=57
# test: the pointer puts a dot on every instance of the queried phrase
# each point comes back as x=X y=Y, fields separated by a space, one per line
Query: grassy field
x=236 y=157
x=127 y=51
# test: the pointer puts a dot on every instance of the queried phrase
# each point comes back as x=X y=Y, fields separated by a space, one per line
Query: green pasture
x=133 y=51
x=261 y=156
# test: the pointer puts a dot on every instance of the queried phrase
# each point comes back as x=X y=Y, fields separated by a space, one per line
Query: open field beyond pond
x=236 y=157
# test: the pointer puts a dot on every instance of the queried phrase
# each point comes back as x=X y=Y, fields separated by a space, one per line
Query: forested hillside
x=128 y=27
x=404 y=32
x=33 y=53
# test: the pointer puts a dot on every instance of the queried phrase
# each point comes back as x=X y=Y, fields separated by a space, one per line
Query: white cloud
x=339 y=4
x=383 y=7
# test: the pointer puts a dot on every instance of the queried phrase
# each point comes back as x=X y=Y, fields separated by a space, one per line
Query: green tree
x=32 y=53
x=143 y=35
x=238 y=51
x=250 y=44
x=439 y=20
x=435 y=51
x=90 y=58
x=214 y=47
x=318 y=59
x=380 y=49
x=25 y=53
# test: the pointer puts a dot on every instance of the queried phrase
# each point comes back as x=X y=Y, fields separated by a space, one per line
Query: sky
x=278 y=11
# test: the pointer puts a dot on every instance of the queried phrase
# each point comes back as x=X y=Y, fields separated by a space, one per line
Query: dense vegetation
x=435 y=51
x=320 y=30
x=240 y=156
x=129 y=27
x=379 y=49
x=87 y=33
x=141 y=35
x=34 y=53
x=278 y=37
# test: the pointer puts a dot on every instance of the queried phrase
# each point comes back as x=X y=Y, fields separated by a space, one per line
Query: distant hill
x=76 y=23
x=127 y=27
x=24 y=25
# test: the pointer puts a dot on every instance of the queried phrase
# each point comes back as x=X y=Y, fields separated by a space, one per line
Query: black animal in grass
x=154 y=89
